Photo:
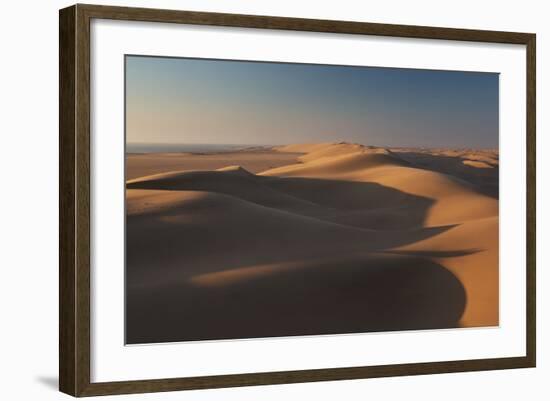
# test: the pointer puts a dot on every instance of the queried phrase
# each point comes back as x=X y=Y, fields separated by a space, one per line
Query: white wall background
x=29 y=185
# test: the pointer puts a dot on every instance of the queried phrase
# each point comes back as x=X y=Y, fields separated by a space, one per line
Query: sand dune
x=374 y=293
x=476 y=163
x=253 y=160
x=463 y=164
x=341 y=238
x=454 y=200
x=303 y=147
x=338 y=166
x=477 y=271
x=234 y=181
x=267 y=235
x=334 y=150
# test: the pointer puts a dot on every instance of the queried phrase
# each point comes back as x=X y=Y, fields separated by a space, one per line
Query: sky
x=202 y=101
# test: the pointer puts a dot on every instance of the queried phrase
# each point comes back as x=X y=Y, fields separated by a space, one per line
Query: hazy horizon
x=290 y=143
x=180 y=101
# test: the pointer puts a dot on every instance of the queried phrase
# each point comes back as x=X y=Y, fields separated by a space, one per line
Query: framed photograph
x=251 y=200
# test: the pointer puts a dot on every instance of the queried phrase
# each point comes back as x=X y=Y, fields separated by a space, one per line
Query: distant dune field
x=309 y=239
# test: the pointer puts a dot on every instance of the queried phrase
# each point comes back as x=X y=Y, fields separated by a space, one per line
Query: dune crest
x=236 y=170
x=476 y=163
x=347 y=163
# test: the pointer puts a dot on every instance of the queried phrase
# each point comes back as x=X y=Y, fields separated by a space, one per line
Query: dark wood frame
x=74 y=194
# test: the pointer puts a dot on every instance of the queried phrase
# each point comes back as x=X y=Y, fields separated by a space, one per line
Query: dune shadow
x=358 y=204
x=436 y=254
x=378 y=293
x=483 y=181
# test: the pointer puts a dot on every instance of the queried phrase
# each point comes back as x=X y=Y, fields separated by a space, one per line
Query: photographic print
x=268 y=199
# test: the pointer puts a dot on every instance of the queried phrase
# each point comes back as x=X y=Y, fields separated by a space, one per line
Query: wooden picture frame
x=74 y=206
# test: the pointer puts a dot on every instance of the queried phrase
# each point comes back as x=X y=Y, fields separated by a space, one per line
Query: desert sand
x=308 y=239
x=254 y=160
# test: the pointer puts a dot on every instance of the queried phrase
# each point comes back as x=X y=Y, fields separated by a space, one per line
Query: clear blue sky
x=179 y=100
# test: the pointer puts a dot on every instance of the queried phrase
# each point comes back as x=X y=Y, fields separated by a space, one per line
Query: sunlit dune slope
x=477 y=269
x=454 y=200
